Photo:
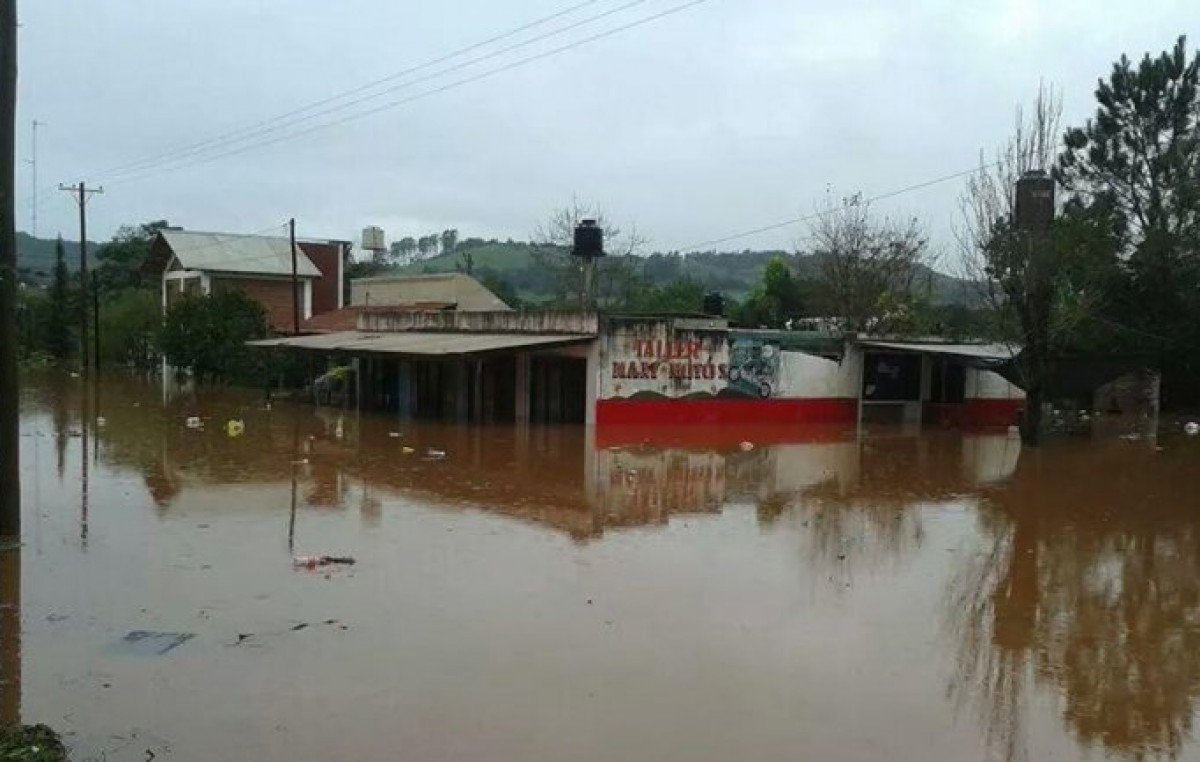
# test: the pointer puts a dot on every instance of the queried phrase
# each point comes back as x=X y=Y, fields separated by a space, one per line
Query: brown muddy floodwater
x=599 y=596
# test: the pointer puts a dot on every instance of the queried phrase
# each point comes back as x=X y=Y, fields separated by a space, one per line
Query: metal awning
x=425 y=344
x=984 y=353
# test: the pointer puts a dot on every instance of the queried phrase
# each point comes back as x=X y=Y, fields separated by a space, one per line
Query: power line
x=847 y=205
x=425 y=94
x=256 y=128
x=267 y=130
x=82 y=194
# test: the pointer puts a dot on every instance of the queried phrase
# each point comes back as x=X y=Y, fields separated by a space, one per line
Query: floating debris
x=407 y=450
x=235 y=428
x=1192 y=428
x=194 y=422
x=395 y=434
x=746 y=446
x=432 y=454
x=313 y=562
x=145 y=643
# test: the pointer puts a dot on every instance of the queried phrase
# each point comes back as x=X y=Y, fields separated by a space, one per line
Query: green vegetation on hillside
x=35 y=257
x=733 y=274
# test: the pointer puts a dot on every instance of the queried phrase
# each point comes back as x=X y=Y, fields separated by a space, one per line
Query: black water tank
x=1035 y=200
x=714 y=304
x=589 y=239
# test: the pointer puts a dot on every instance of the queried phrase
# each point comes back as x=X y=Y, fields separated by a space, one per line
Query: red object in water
x=725 y=411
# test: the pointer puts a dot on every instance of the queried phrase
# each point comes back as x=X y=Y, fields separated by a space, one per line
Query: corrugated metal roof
x=993 y=352
x=425 y=344
x=232 y=253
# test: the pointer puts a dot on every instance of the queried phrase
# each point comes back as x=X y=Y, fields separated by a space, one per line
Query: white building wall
x=989 y=385
x=811 y=377
x=651 y=357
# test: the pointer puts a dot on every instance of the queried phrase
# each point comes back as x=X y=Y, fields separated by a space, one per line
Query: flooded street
x=601 y=596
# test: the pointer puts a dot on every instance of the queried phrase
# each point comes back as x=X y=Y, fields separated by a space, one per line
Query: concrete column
x=462 y=398
x=489 y=395
x=592 y=383
x=404 y=390
x=477 y=401
x=358 y=384
x=522 y=390
x=554 y=393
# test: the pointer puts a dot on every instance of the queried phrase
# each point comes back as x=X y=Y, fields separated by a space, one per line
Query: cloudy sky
x=724 y=116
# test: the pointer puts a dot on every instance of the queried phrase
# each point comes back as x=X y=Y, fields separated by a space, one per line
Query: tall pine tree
x=1139 y=156
x=57 y=325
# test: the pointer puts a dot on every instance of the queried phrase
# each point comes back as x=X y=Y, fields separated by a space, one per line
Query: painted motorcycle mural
x=754 y=368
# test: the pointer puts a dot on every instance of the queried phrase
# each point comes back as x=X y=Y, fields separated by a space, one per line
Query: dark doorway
x=948 y=381
x=558 y=390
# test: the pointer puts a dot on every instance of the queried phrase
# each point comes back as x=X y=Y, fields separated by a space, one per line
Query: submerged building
x=587 y=368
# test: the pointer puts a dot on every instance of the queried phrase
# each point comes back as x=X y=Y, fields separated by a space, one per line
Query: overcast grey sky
x=719 y=118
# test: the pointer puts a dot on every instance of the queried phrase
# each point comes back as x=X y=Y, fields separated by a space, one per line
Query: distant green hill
x=35 y=257
x=734 y=274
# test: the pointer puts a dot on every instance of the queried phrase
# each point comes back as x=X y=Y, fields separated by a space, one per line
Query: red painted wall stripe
x=725 y=411
x=1005 y=412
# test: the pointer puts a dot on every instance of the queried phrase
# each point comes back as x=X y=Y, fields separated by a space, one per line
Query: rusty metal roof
x=420 y=344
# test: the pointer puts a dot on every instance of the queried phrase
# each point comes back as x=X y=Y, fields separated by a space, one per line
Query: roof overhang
x=422 y=344
x=972 y=354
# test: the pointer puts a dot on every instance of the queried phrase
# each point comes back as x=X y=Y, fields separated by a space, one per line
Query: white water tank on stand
x=373 y=239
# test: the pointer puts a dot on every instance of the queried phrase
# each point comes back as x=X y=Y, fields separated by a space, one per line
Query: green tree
x=501 y=287
x=1140 y=156
x=466 y=262
x=119 y=262
x=208 y=335
x=407 y=247
x=682 y=296
x=776 y=300
x=449 y=241
x=130 y=321
x=56 y=334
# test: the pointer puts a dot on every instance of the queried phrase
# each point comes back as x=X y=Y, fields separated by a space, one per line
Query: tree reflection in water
x=1089 y=584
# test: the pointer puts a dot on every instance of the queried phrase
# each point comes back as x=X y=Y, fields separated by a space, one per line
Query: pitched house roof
x=458 y=289
x=234 y=253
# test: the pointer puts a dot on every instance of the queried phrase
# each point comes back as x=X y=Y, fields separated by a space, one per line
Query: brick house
x=195 y=263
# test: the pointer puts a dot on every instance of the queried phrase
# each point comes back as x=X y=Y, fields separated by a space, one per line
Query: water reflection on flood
x=595 y=595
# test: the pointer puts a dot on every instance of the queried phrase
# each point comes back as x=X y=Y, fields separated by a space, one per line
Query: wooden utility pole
x=81 y=193
x=295 y=279
x=10 y=472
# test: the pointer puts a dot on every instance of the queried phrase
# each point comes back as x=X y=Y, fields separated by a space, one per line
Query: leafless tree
x=990 y=197
x=617 y=274
x=865 y=267
x=1027 y=278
